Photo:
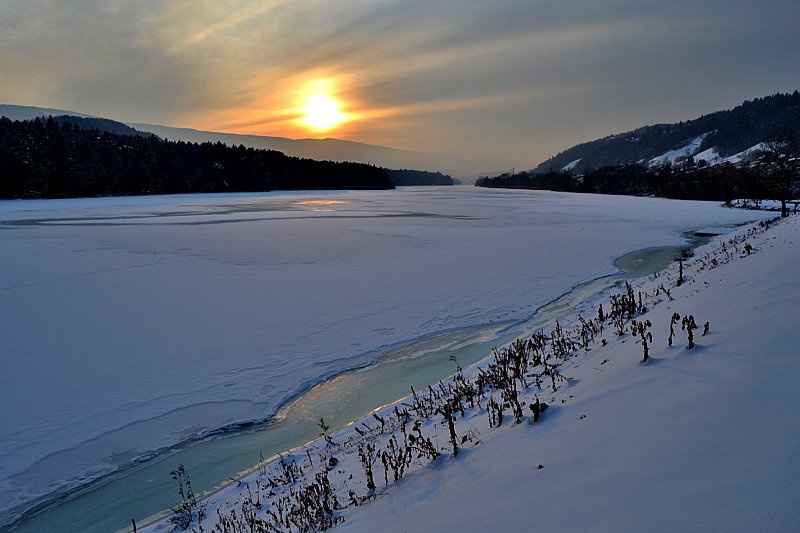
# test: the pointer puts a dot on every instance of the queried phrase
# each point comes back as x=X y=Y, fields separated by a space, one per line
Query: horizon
x=518 y=83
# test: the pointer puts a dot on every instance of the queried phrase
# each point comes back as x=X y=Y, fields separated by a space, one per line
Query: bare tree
x=779 y=166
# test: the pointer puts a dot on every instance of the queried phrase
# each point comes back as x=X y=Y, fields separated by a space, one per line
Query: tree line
x=774 y=174
x=51 y=158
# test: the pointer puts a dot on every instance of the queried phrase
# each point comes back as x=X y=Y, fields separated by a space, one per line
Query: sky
x=516 y=80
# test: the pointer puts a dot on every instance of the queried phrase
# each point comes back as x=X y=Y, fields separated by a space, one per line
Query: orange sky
x=517 y=80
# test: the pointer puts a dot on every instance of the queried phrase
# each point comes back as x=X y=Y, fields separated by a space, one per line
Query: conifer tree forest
x=774 y=174
x=60 y=158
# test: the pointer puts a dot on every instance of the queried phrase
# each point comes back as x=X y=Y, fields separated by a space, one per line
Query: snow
x=673 y=156
x=710 y=156
x=130 y=324
x=702 y=439
x=747 y=155
x=693 y=440
x=571 y=165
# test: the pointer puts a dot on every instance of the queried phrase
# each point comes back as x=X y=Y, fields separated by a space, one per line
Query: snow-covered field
x=129 y=324
x=697 y=438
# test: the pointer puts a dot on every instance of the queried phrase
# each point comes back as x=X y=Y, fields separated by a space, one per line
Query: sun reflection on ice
x=315 y=203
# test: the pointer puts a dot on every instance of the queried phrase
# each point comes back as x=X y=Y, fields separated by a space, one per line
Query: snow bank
x=702 y=439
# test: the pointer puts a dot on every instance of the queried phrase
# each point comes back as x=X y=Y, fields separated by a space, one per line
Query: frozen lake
x=131 y=324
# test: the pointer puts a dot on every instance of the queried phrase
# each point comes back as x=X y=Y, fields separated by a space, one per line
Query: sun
x=322 y=112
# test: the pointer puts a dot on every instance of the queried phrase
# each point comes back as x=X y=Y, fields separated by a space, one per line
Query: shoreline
x=468 y=370
x=694 y=243
x=497 y=314
x=502 y=328
x=676 y=441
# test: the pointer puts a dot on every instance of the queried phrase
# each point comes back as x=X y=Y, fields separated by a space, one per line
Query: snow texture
x=131 y=324
x=571 y=165
x=747 y=155
x=710 y=156
x=700 y=439
x=673 y=156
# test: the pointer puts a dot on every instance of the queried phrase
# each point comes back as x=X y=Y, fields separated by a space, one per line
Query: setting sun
x=321 y=112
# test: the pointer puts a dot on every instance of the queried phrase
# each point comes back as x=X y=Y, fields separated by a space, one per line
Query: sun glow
x=322 y=112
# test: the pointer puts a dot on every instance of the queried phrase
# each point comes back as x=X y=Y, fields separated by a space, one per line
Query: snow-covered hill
x=700 y=439
x=730 y=136
x=673 y=156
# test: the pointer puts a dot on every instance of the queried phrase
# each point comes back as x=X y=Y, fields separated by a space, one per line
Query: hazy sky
x=518 y=80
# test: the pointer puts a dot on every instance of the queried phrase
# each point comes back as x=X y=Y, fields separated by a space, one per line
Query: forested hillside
x=752 y=152
x=773 y=175
x=711 y=137
x=75 y=157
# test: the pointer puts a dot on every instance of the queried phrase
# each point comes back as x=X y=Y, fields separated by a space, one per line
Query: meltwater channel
x=144 y=491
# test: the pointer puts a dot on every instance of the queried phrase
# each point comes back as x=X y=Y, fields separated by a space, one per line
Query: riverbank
x=231 y=453
x=176 y=317
x=676 y=442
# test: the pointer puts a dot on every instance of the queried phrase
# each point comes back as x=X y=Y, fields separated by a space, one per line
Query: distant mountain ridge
x=328 y=149
x=27 y=112
x=101 y=124
x=714 y=138
x=319 y=149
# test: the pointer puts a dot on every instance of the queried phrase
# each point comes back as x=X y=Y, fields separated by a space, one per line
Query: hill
x=714 y=138
x=78 y=157
x=320 y=149
x=103 y=125
x=688 y=160
x=25 y=112
x=335 y=150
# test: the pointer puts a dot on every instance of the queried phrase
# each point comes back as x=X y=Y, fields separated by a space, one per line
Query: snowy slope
x=710 y=156
x=673 y=156
x=702 y=439
x=747 y=155
x=727 y=132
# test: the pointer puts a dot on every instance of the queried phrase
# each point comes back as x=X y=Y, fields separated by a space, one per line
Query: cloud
x=517 y=79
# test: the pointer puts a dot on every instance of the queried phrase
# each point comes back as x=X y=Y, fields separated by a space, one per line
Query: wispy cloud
x=517 y=79
x=237 y=16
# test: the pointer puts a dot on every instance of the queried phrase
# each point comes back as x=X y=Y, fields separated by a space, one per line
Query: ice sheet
x=129 y=324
